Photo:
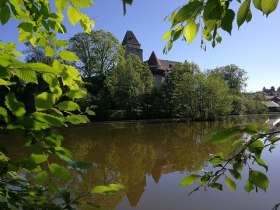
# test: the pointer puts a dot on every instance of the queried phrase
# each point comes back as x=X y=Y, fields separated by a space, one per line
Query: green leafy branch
x=36 y=182
x=231 y=167
x=216 y=15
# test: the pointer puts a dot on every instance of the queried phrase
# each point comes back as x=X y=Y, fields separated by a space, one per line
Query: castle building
x=131 y=45
x=158 y=67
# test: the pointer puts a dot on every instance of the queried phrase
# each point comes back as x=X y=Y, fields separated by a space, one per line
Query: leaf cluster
x=210 y=17
x=246 y=153
x=35 y=182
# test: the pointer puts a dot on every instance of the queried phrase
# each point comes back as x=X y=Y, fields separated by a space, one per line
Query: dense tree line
x=123 y=88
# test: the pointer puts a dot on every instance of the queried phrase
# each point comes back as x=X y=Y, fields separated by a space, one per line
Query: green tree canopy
x=234 y=76
x=130 y=81
x=172 y=80
x=99 y=52
x=198 y=96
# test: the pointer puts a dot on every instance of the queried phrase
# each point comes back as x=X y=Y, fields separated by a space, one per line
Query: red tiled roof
x=130 y=38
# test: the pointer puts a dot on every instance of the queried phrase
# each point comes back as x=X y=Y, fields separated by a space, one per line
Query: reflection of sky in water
x=151 y=159
x=168 y=195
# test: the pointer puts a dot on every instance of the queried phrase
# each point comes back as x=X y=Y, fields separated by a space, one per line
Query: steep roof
x=130 y=38
x=154 y=62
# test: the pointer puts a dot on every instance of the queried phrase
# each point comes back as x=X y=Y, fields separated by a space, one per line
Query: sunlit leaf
x=268 y=6
x=38 y=158
x=251 y=128
x=44 y=101
x=75 y=94
x=191 y=31
x=74 y=15
x=60 y=172
x=259 y=179
x=261 y=163
x=68 y=56
x=68 y=106
x=167 y=35
x=60 y=43
x=41 y=178
x=43 y=68
x=6 y=83
x=189 y=180
x=47 y=118
x=61 y=5
x=53 y=82
x=86 y=23
x=82 y=4
x=256 y=146
x=4 y=114
x=243 y=12
x=90 y=112
x=49 y=51
x=222 y=135
x=249 y=186
x=77 y=119
x=26 y=76
x=54 y=140
x=217 y=158
x=15 y=106
x=257 y=4
x=169 y=45
x=230 y=183
x=106 y=189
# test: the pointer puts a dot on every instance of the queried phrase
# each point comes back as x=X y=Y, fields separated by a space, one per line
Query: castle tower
x=157 y=70
x=131 y=45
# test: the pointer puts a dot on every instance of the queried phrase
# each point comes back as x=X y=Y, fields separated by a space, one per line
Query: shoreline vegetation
x=121 y=86
x=171 y=120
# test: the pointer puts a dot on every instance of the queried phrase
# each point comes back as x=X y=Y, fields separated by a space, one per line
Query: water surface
x=151 y=158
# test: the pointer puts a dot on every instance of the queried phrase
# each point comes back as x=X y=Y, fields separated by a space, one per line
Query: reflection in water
x=131 y=153
x=150 y=159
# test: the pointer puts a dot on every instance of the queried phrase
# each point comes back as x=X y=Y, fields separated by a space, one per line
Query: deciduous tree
x=99 y=52
x=129 y=82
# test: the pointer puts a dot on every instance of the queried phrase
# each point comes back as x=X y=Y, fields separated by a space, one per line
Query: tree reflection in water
x=128 y=152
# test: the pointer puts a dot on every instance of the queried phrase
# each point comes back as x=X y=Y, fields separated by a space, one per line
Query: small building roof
x=154 y=62
x=271 y=104
x=269 y=97
x=167 y=64
x=130 y=38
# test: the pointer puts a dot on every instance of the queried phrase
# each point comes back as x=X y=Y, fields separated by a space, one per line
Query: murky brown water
x=151 y=158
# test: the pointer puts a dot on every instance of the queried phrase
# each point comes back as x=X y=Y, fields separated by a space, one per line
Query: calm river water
x=151 y=158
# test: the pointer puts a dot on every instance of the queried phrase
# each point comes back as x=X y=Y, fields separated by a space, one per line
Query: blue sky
x=255 y=47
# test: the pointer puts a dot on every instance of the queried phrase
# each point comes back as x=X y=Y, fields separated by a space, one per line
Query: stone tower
x=131 y=45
